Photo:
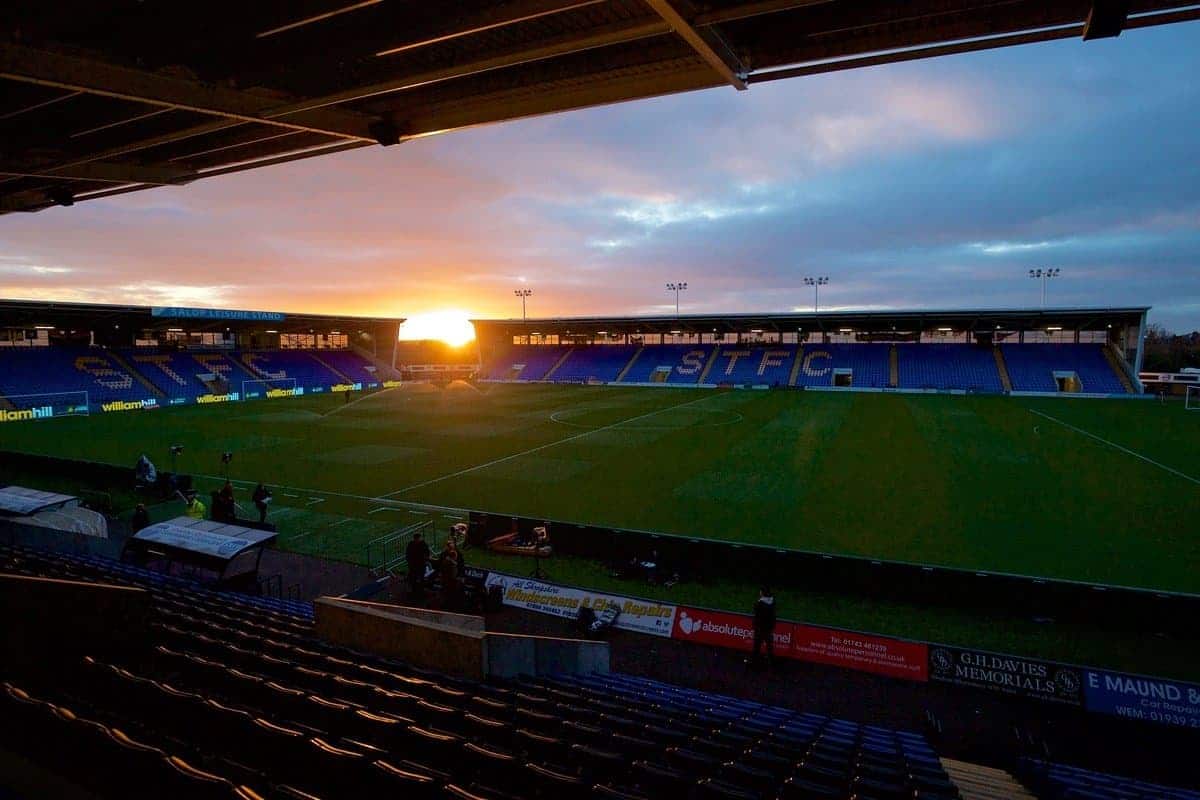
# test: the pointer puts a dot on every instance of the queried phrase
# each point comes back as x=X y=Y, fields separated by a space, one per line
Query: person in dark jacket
x=764 y=624
x=451 y=584
x=261 y=498
x=140 y=519
x=417 y=556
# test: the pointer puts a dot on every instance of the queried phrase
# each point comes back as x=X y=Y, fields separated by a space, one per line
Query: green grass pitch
x=1105 y=491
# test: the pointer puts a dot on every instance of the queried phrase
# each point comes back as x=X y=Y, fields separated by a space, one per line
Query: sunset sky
x=936 y=183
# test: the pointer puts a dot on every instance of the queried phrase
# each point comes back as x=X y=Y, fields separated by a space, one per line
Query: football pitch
x=1092 y=490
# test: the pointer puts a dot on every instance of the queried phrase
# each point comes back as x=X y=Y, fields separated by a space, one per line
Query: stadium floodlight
x=1044 y=275
x=816 y=283
x=523 y=294
x=680 y=286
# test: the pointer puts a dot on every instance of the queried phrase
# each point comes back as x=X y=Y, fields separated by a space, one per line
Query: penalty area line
x=539 y=448
x=1116 y=446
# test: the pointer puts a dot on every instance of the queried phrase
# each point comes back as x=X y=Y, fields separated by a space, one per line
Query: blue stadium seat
x=757 y=364
x=868 y=363
x=297 y=364
x=685 y=363
x=43 y=370
x=534 y=362
x=948 y=366
x=598 y=362
x=1031 y=367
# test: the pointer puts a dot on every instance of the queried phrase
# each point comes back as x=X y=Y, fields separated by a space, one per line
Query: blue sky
x=935 y=183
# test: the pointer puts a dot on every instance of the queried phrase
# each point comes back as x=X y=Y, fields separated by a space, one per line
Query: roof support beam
x=503 y=14
x=705 y=44
x=106 y=171
x=47 y=68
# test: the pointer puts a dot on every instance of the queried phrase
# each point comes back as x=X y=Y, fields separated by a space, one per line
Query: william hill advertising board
x=1011 y=675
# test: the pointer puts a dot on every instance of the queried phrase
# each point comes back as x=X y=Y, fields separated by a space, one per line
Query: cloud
x=934 y=183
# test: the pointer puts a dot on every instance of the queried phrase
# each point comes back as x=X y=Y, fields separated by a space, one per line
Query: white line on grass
x=344 y=406
x=312 y=501
x=1125 y=450
x=539 y=448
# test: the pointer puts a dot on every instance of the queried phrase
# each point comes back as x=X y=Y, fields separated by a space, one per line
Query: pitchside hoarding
x=1010 y=675
x=1136 y=697
x=875 y=654
x=639 y=616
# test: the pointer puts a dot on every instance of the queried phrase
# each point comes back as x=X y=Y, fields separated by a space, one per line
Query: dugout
x=225 y=555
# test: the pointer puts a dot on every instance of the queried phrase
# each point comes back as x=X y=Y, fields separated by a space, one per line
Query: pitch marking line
x=353 y=403
x=1125 y=450
x=539 y=448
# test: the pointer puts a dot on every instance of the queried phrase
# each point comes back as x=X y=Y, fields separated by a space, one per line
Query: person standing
x=448 y=570
x=417 y=557
x=194 y=508
x=764 y=625
x=261 y=498
x=140 y=519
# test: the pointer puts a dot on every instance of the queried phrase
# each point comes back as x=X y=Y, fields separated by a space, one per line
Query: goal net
x=20 y=407
x=1191 y=400
x=270 y=388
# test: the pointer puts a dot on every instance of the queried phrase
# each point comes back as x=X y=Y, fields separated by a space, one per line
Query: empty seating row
x=1040 y=367
x=251 y=699
x=28 y=374
x=523 y=362
x=948 y=366
x=1061 y=782
x=599 y=363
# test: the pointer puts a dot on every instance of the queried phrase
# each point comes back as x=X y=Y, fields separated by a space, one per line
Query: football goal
x=1191 y=400
x=270 y=388
x=17 y=407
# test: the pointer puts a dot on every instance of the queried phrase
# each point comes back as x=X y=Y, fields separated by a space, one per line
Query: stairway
x=137 y=376
x=625 y=370
x=1002 y=368
x=796 y=366
x=712 y=359
x=893 y=367
x=345 y=378
x=558 y=364
x=975 y=782
x=1117 y=367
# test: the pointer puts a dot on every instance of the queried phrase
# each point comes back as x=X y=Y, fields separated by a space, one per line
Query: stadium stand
x=669 y=363
x=349 y=363
x=177 y=374
x=1032 y=367
x=524 y=362
x=235 y=697
x=297 y=364
x=43 y=370
x=600 y=362
x=768 y=365
x=867 y=365
x=948 y=366
x=1060 y=782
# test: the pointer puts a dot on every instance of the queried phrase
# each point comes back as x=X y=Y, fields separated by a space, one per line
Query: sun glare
x=452 y=327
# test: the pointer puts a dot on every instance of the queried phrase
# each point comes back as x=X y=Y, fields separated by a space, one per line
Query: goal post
x=1191 y=400
x=270 y=388
x=21 y=407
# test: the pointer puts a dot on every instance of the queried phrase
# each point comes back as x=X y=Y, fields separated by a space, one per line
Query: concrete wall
x=47 y=623
x=512 y=654
x=451 y=643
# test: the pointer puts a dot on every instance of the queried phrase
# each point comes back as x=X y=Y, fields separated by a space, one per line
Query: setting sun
x=452 y=327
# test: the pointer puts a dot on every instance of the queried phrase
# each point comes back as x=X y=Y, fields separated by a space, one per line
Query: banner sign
x=723 y=629
x=639 y=616
x=1158 y=700
x=176 y=312
x=876 y=654
x=1010 y=675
